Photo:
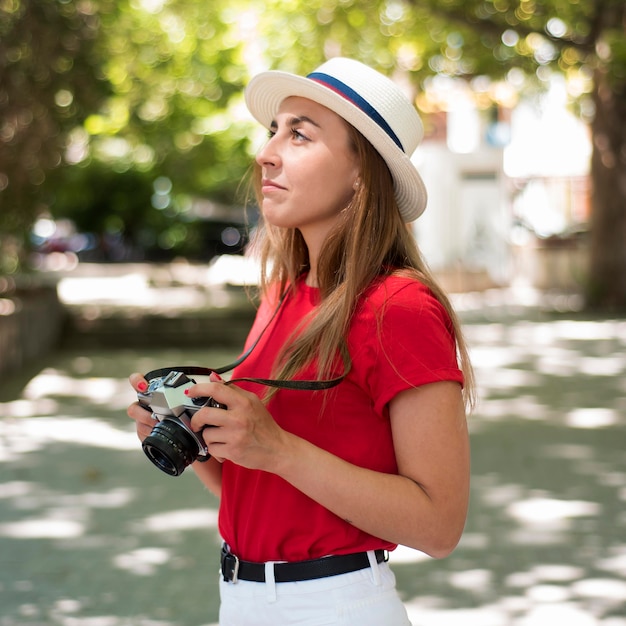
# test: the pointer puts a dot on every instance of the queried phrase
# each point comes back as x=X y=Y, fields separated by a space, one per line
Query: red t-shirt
x=400 y=337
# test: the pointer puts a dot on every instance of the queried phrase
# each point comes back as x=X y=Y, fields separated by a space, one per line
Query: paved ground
x=92 y=534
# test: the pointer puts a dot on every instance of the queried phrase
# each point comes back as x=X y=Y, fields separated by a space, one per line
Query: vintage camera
x=173 y=445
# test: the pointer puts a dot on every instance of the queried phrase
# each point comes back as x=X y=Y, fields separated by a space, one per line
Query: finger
x=220 y=392
x=144 y=423
x=139 y=413
x=143 y=432
x=138 y=381
x=211 y=417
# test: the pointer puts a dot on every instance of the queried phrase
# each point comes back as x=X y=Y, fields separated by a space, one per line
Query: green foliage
x=48 y=85
x=99 y=98
x=458 y=38
x=134 y=91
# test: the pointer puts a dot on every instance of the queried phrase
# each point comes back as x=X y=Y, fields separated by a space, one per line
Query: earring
x=357 y=184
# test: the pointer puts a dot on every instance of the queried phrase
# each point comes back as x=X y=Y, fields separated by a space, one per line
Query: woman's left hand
x=244 y=433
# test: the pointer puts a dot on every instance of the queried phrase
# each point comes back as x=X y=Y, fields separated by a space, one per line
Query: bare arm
x=424 y=506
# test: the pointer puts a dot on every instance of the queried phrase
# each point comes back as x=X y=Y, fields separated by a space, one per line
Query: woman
x=317 y=486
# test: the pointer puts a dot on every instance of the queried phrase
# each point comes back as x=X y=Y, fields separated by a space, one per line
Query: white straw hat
x=371 y=102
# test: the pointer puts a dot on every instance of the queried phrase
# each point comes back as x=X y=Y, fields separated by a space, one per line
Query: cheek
x=338 y=182
x=340 y=190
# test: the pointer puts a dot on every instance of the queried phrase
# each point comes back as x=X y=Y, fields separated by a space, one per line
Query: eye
x=297 y=134
x=270 y=133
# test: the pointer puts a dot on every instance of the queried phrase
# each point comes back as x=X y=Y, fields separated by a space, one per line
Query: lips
x=268 y=185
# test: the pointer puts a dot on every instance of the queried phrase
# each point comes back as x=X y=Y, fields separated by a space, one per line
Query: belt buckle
x=230 y=567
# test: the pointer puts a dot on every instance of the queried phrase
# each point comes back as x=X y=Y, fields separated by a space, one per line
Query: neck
x=314 y=242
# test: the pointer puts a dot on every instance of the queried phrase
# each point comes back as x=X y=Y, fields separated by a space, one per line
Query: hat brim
x=267 y=90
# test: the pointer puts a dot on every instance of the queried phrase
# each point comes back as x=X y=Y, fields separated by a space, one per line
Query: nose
x=268 y=156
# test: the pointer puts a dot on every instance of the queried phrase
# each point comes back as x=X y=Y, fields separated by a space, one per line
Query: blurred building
x=509 y=194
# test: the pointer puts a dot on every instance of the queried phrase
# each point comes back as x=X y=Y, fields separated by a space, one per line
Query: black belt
x=234 y=569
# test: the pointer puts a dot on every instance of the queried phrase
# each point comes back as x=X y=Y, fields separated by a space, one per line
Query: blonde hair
x=370 y=240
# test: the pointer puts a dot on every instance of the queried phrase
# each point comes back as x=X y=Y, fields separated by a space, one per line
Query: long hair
x=369 y=240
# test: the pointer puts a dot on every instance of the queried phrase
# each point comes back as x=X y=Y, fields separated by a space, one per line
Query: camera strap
x=304 y=385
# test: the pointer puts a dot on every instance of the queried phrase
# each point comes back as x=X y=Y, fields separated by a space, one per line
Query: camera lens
x=170 y=447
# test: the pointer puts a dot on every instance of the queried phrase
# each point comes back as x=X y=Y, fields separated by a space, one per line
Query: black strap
x=234 y=569
x=304 y=385
x=197 y=370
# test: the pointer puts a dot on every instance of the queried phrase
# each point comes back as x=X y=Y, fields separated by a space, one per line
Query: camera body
x=173 y=444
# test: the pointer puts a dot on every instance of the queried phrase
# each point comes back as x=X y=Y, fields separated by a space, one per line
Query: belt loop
x=270 y=582
x=376 y=579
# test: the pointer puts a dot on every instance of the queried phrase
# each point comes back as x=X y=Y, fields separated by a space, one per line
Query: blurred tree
x=176 y=70
x=586 y=41
x=97 y=93
x=49 y=82
x=176 y=74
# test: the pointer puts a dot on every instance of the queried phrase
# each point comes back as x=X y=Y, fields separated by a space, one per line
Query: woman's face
x=308 y=168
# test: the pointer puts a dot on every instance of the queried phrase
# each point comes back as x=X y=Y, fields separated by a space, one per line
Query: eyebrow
x=294 y=121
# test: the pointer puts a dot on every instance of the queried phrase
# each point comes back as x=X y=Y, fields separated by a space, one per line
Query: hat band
x=352 y=96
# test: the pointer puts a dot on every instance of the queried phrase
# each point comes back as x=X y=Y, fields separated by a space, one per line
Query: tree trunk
x=607 y=273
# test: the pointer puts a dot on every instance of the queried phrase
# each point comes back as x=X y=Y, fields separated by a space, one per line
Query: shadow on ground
x=92 y=534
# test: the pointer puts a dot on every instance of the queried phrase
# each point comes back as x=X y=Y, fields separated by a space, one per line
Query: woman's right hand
x=144 y=421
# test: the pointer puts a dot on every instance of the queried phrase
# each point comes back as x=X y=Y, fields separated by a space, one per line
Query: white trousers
x=367 y=597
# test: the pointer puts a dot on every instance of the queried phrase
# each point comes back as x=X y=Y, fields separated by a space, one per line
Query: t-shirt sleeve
x=407 y=340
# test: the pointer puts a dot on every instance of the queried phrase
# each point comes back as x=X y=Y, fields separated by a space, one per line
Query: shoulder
x=402 y=309
x=401 y=293
x=401 y=337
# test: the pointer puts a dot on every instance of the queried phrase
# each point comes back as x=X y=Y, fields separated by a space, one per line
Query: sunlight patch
x=553 y=614
x=602 y=366
x=114 y=392
x=15 y=489
x=615 y=564
x=548 y=593
x=142 y=562
x=500 y=495
x=67 y=605
x=112 y=499
x=44 y=528
x=403 y=554
x=484 y=616
x=28 y=408
x=475 y=580
x=510 y=378
x=557 y=573
x=609 y=589
x=591 y=418
x=558 y=362
x=29 y=435
x=589 y=331
x=474 y=541
x=494 y=357
x=549 y=512
x=186 y=519
x=522 y=406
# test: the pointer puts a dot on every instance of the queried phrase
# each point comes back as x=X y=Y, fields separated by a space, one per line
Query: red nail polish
x=186 y=392
x=142 y=386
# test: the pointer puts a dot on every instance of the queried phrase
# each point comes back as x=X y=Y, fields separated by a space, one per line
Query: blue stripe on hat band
x=351 y=95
